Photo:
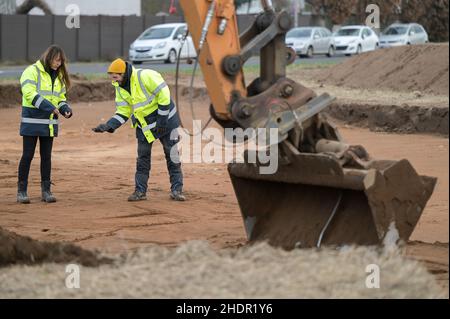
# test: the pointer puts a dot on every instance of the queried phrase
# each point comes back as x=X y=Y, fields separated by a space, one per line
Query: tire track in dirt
x=115 y=231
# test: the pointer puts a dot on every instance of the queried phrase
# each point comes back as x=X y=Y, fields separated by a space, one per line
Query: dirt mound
x=84 y=90
x=393 y=118
x=78 y=76
x=422 y=68
x=81 y=91
x=194 y=270
x=16 y=249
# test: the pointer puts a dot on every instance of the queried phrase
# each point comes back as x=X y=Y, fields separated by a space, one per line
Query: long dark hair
x=49 y=55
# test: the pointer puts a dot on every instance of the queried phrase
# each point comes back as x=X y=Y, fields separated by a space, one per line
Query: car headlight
x=352 y=42
x=160 y=45
x=301 y=45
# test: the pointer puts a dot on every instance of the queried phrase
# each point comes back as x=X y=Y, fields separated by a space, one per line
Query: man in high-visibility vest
x=144 y=97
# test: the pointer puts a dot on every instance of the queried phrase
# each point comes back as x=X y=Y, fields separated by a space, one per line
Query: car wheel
x=330 y=53
x=310 y=52
x=172 y=57
x=377 y=46
x=359 y=50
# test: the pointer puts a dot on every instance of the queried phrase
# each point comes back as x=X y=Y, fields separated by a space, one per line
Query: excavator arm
x=324 y=192
x=204 y=19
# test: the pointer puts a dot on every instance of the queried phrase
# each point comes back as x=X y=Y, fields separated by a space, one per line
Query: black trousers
x=143 y=164
x=45 y=148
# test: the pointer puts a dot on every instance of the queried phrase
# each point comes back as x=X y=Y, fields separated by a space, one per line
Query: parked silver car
x=308 y=41
x=162 y=43
x=355 y=39
x=403 y=34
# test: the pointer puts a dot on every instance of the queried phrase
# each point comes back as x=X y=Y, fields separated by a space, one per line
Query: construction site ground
x=94 y=174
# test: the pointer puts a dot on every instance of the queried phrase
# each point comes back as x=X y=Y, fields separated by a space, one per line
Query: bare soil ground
x=18 y=250
x=422 y=68
x=94 y=174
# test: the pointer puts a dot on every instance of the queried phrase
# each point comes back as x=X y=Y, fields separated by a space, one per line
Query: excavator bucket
x=314 y=201
x=324 y=191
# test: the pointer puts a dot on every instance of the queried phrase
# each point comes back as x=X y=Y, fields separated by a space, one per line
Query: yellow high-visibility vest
x=148 y=90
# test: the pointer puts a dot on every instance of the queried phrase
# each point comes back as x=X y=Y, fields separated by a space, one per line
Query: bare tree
x=28 y=5
x=7 y=7
x=432 y=14
x=337 y=11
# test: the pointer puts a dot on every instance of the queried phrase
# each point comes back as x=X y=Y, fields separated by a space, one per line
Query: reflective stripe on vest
x=28 y=82
x=149 y=127
x=39 y=121
x=39 y=101
x=119 y=118
x=163 y=112
x=44 y=92
x=149 y=97
x=118 y=104
x=120 y=94
x=153 y=125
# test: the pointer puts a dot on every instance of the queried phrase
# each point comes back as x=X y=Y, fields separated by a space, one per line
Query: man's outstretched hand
x=103 y=128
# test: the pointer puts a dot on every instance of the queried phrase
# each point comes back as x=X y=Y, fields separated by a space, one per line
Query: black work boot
x=22 y=196
x=47 y=195
x=137 y=196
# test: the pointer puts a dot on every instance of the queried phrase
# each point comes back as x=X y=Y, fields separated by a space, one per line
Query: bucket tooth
x=397 y=197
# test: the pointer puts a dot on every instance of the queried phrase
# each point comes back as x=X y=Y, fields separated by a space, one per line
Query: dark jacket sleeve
x=117 y=121
x=42 y=104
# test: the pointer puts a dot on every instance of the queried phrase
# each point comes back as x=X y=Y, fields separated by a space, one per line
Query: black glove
x=103 y=128
x=161 y=125
x=69 y=116
x=65 y=108
x=161 y=131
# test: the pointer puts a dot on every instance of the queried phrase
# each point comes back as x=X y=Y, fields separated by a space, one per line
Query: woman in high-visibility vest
x=44 y=85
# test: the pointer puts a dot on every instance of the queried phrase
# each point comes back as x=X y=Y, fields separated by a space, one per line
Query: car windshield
x=395 y=31
x=156 y=33
x=299 y=33
x=348 y=33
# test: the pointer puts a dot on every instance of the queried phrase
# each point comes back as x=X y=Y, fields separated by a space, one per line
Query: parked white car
x=355 y=40
x=162 y=43
x=403 y=34
x=308 y=41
